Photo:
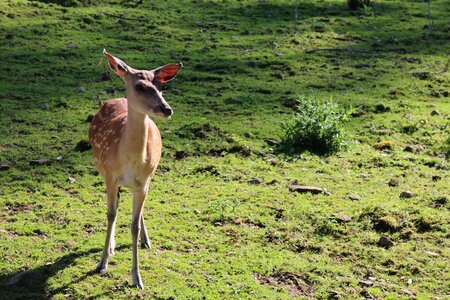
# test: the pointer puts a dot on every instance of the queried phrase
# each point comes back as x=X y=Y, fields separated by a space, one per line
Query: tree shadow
x=33 y=283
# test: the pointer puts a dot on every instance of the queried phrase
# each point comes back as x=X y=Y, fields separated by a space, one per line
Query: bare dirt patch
x=296 y=284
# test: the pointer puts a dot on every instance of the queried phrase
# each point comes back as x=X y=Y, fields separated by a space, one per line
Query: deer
x=126 y=146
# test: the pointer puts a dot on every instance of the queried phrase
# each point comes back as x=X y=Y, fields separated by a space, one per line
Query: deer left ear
x=118 y=66
x=167 y=72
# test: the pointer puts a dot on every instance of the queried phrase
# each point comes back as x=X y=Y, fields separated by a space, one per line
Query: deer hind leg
x=145 y=241
x=136 y=223
x=112 y=191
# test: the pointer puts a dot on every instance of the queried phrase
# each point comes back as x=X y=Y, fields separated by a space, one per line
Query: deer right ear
x=118 y=66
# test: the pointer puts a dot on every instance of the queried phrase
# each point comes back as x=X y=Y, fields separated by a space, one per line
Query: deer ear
x=167 y=72
x=118 y=66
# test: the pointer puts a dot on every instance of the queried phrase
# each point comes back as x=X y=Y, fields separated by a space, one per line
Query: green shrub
x=317 y=126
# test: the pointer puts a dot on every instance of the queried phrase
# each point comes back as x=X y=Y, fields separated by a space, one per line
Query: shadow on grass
x=33 y=283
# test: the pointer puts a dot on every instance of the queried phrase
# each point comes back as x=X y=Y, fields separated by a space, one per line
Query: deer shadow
x=33 y=283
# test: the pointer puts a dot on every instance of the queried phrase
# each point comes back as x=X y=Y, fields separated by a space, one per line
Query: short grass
x=214 y=235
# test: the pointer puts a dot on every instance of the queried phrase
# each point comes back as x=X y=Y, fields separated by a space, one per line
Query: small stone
x=393 y=182
x=110 y=90
x=410 y=149
x=248 y=134
x=82 y=146
x=278 y=76
x=59 y=157
x=354 y=197
x=293 y=103
x=435 y=113
x=406 y=194
x=4 y=167
x=408 y=292
x=80 y=89
x=431 y=253
x=419 y=148
x=385 y=242
x=344 y=218
x=305 y=189
x=271 y=142
x=436 y=177
x=105 y=77
x=41 y=162
x=366 y=282
x=254 y=181
x=384 y=145
x=71 y=180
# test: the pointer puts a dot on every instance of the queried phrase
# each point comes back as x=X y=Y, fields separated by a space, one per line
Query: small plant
x=317 y=126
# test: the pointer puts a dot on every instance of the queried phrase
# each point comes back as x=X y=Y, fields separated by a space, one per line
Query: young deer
x=127 y=146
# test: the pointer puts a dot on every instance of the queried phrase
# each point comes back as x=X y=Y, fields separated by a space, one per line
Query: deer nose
x=166 y=110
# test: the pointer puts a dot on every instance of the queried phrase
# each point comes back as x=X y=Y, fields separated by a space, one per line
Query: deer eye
x=140 y=87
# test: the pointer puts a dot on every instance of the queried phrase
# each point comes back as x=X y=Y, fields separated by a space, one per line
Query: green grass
x=214 y=235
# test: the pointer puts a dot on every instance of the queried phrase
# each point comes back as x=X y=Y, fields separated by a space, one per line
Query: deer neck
x=135 y=135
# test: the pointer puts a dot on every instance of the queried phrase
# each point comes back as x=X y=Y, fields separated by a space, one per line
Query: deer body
x=127 y=148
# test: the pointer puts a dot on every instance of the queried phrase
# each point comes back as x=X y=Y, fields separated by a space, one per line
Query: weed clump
x=317 y=126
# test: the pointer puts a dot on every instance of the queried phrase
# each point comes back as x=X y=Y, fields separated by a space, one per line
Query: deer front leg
x=112 y=192
x=145 y=241
x=138 y=203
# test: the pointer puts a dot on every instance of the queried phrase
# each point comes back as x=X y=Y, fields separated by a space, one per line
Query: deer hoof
x=146 y=245
x=137 y=283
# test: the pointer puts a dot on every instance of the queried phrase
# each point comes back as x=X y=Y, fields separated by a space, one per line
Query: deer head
x=144 y=87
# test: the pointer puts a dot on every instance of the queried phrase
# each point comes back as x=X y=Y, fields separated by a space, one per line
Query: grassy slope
x=213 y=234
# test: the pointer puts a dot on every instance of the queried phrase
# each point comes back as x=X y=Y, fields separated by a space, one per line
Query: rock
x=366 y=282
x=254 y=181
x=181 y=154
x=384 y=145
x=293 y=103
x=82 y=146
x=305 y=189
x=278 y=76
x=414 y=148
x=37 y=162
x=381 y=108
x=80 y=89
x=406 y=194
x=344 y=218
x=110 y=90
x=436 y=177
x=431 y=253
x=71 y=180
x=409 y=148
x=435 y=113
x=419 y=148
x=408 y=292
x=393 y=182
x=4 y=167
x=271 y=142
x=385 y=242
x=105 y=77
x=354 y=197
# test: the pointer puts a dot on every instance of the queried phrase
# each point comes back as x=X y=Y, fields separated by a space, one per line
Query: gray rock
x=80 y=89
x=254 y=181
x=406 y=194
x=385 y=242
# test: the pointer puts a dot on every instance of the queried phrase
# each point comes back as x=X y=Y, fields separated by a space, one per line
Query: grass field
x=216 y=232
